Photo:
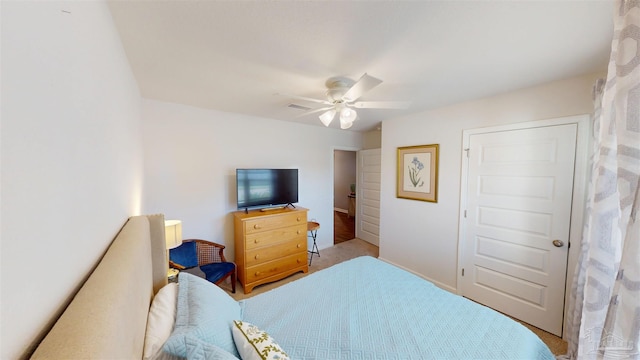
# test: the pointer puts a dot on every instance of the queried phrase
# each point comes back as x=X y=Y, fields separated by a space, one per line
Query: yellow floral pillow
x=253 y=343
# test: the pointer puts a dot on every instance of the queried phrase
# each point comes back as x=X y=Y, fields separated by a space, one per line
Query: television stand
x=272 y=208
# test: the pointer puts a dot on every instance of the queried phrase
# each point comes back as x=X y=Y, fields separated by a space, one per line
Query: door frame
x=333 y=176
x=580 y=181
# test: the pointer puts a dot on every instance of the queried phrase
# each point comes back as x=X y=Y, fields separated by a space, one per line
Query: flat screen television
x=264 y=188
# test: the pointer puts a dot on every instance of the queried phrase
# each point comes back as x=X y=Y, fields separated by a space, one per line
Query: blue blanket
x=367 y=309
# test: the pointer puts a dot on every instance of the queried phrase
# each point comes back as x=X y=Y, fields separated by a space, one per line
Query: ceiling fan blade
x=325 y=102
x=314 y=111
x=382 y=104
x=364 y=84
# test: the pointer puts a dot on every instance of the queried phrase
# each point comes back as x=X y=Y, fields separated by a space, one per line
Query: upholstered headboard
x=107 y=318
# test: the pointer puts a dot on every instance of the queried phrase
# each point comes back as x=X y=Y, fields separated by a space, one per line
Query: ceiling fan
x=342 y=95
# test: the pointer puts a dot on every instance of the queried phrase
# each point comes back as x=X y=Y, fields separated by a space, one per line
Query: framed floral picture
x=418 y=172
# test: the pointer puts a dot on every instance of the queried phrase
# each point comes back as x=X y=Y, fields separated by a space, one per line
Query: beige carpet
x=354 y=248
x=555 y=344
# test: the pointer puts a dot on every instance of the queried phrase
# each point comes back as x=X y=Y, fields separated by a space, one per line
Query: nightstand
x=172 y=275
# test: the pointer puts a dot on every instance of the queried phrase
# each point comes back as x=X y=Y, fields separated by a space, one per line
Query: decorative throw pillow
x=162 y=316
x=253 y=343
x=204 y=312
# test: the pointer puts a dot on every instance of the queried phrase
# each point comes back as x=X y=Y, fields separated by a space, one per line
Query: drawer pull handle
x=257 y=273
x=298 y=218
x=298 y=232
x=256 y=226
x=299 y=261
x=299 y=246
x=257 y=256
x=256 y=241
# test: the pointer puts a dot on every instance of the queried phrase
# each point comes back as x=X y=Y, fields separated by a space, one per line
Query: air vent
x=299 y=107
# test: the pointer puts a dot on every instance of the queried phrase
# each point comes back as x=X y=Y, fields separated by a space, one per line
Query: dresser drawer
x=275 y=267
x=268 y=253
x=272 y=237
x=273 y=222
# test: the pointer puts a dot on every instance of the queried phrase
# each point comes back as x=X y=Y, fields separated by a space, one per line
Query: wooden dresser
x=270 y=245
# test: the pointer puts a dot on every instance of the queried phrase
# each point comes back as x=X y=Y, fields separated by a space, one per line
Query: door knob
x=558 y=243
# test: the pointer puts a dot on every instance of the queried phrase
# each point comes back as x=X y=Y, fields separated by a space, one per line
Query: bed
x=360 y=309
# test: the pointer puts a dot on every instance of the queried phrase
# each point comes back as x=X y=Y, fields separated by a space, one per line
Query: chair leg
x=234 y=277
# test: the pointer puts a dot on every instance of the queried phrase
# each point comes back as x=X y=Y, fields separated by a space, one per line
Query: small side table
x=352 y=205
x=312 y=228
x=172 y=275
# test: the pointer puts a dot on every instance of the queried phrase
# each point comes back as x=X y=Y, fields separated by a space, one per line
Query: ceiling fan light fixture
x=327 y=116
x=348 y=115
x=345 y=124
x=342 y=97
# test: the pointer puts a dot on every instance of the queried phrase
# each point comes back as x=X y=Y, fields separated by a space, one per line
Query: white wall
x=191 y=155
x=422 y=236
x=372 y=139
x=71 y=157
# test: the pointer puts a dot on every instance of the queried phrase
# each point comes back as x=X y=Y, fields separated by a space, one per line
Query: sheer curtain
x=604 y=311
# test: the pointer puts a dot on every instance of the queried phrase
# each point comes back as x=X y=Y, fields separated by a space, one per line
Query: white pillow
x=255 y=344
x=162 y=316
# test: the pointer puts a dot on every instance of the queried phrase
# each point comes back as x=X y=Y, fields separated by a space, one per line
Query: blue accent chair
x=206 y=256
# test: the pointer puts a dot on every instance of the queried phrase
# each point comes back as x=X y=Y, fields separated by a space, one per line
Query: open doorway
x=344 y=211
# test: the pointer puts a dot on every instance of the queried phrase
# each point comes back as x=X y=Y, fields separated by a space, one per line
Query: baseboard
x=442 y=286
x=341 y=210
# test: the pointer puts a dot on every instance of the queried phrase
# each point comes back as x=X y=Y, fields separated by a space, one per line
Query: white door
x=368 y=196
x=516 y=230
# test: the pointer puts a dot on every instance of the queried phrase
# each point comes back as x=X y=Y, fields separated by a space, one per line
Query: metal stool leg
x=314 y=246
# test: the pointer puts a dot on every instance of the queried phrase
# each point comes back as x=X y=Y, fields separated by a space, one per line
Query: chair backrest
x=185 y=254
x=209 y=252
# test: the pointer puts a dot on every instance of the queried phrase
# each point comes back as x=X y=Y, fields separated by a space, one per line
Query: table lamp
x=173 y=238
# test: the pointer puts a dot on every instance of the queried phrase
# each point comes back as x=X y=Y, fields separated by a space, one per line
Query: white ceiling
x=234 y=56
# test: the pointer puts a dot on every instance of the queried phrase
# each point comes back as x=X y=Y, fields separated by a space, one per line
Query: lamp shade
x=327 y=116
x=348 y=115
x=173 y=233
x=345 y=124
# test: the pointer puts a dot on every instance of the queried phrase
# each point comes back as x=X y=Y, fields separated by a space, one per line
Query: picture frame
x=418 y=172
